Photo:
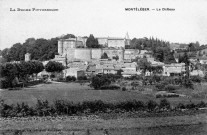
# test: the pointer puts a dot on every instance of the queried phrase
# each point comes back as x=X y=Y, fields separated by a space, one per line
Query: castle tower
x=60 y=47
x=127 y=40
x=27 y=57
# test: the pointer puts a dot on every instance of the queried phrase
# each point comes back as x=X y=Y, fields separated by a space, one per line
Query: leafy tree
x=92 y=42
x=15 y=51
x=97 y=82
x=5 y=54
x=9 y=72
x=136 y=43
x=185 y=59
x=116 y=57
x=67 y=36
x=38 y=67
x=144 y=65
x=104 y=56
x=159 y=54
x=53 y=66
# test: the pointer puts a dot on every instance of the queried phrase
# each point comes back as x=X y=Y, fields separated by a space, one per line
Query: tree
x=169 y=58
x=9 y=72
x=5 y=54
x=38 y=67
x=53 y=66
x=185 y=59
x=116 y=57
x=104 y=56
x=97 y=82
x=67 y=36
x=144 y=65
x=92 y=42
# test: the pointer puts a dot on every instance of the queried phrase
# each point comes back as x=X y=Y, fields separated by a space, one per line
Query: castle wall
x=96 y=53
x=131 y=53
x=70 y=54
x=116 y=43
x=60 y=47
x=83 y=54
x=114 y=52
x=103 y=41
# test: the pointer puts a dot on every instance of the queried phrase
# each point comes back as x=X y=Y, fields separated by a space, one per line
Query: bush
x=152 y=105
x=110 y=87
x=156 y=78
x=70 y=78
x=171 y=87
x=63 y=107
x=187 y=83
x=82 y=78
x=4 y=83
x=190 y=106
x=167 y=95
x=160 y=86
x=180 y=106
x=124 y=89
x=196 y=79
x=164 y=104
x=201 y=105
x=98 y=81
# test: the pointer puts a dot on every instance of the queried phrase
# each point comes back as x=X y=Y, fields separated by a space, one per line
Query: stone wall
x=116 y=43
x=115 y=52
x=83 y=54
x=96 y=53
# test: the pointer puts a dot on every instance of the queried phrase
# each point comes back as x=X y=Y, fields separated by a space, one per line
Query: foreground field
x=77 y=93
x=191 y=125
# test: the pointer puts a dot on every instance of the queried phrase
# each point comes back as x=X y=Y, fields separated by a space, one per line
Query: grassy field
x=77 y=93
x=191 y=125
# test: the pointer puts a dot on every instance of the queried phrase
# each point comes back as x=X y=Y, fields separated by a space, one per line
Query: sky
x=103 y=18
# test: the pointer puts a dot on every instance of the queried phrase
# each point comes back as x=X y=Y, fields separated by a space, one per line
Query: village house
x=173 y=69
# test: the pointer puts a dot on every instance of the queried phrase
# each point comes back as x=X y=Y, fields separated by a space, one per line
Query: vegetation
x=160 y=49
x=20 y=71
x=62 y=107
x=104 y=56
x=104 y=81
x=40 y=49
x=70 y=78
x=53 y=66
x=92 y=42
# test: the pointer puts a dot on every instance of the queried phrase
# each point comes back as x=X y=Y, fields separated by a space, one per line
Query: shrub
x=196 y=79
x=170 y=87
x=205 y=77
x=167 y=95
x=4 y=83
x=151 y=105
x=160 y=86
x=164 y=104
x=97 y=82
x=190 y=106
x=124 y=89
x=180 y=106
x=157 y=78
x=186 y=82
x=82 y=78
x=70 y=78
x=201 y=105
x=52 y=76
x=110 y=87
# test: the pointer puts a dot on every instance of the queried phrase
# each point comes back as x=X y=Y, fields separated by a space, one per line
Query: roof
x=91 y=68
x=115 y=38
